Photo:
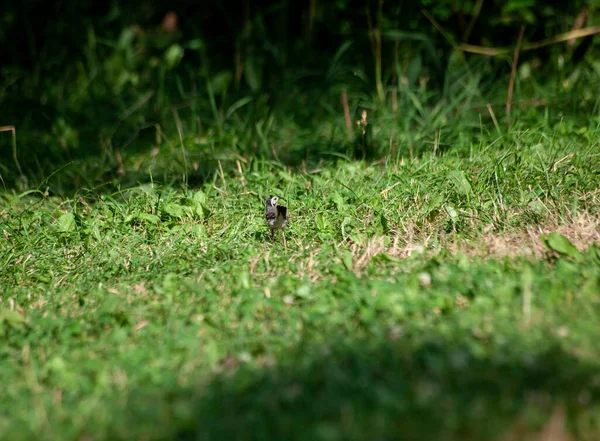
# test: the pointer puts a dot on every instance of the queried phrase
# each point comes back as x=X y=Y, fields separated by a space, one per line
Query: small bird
x=276 y=216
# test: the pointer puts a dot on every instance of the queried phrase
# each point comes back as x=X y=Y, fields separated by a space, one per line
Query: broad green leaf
x=199 y=231
x=126 y=37
x=321 y=222
x=253 y=71
x=285 y=176
x=387 y=258
x=66 y=222
x=148 y=217
x=358 y=238
x=220 y=82
x=460 y=181
x=202 y=211
x=304 y=291
x=413 y=71
x=173 y=209
x=173 y=56
x=244 y=279
x=96 y=233
x=451 y=211
x=200 y=196
x=195 y=45
x=536 y=206
x=142 y=217
x=338 y=200
x=559 y=243
x=347 y=226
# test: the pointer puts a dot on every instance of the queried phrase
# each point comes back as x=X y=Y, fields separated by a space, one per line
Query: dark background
x=84 y=80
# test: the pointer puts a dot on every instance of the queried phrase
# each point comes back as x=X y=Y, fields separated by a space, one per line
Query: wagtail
x=276 y=216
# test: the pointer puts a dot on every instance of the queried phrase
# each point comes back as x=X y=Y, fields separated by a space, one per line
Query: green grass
x=441 y=279
x=164 y=312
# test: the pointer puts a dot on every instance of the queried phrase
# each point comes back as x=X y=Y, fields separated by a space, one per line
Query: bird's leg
x=284 y=242
x=272 y=233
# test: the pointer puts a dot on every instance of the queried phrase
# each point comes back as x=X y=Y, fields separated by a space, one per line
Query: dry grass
x=582 y=230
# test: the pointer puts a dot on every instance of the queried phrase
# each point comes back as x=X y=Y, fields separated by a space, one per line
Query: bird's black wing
x=282 y=211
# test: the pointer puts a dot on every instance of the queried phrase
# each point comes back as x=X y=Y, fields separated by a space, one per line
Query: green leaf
x=460 y=181
x=338 y=200
x=237 y=105
x=173 y=56
x=451 y=211
x=358 y=238
x=174 y=210
x=244 y=279
x=195 y=208
x=66 y=222
x=253 y=71
x=384 y=224
x=385 y=258
x=200 y=197
x=199 y=231
x=96 y=233
x=347 y=260
x=148 y=217
x=304 y=291
x=220 y=81
x=559 y=243
x=413 y=71
x=347 y=226
x=321 y=222
x=536 y=206
x=142 y=217
x=195 y=45
x=285 y=176
x=202 y=211
x=333 y=65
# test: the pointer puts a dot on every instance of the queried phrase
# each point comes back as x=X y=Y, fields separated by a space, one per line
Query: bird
x=276 y=216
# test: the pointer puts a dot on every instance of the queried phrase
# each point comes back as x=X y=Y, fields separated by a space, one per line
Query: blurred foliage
x=87 y=79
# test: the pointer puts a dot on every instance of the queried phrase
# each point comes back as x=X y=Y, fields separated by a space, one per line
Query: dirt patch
x=582 y=230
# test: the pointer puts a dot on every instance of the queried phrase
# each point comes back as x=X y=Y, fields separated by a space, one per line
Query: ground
x=453 y=295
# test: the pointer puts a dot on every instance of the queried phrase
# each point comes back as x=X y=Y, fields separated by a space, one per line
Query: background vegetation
x=441 y=165
x=93 y=85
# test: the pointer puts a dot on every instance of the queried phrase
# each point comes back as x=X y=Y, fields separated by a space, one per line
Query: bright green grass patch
x=448 y=342
x=156 y=313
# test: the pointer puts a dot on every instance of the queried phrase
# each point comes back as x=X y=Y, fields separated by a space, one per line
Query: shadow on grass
x=66 y=173
x=393 y=390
